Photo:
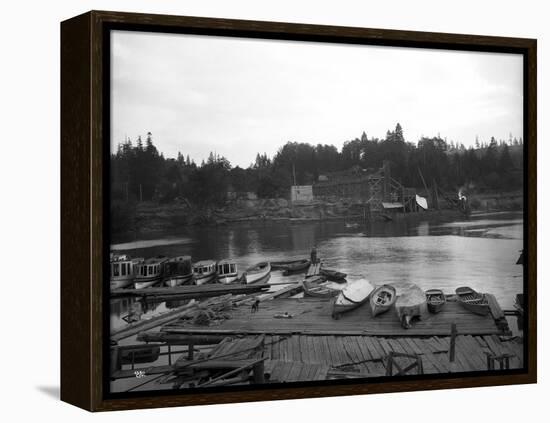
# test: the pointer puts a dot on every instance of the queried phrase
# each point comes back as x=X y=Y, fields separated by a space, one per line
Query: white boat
x=354 y=294
x=204 y=271
x=178 y=271
x=260 y=272
x=411 y=303
x=149 y=272
x=227 y=271
x=122 y=271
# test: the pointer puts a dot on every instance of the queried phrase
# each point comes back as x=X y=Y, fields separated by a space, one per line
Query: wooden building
x=374 y=188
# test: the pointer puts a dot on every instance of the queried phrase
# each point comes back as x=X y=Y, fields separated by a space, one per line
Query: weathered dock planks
x=313 y=316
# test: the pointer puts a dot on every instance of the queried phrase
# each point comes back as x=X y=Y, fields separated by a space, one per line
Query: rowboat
x=178 y=271
x=381 y=299
x=436 y=300
x=296 y=267
x=227 y=271
x=352 y=296
x=411 y=303
x=313 y=287
x=204 y=272
x=149 y=272
x=472 y=300
x=333 y=275
x=122 y=270
x=260 y=272
x=284 y=265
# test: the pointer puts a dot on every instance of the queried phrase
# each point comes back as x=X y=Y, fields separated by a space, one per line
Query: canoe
x=352 y=296
x=296 y=267
x=436 y=300
x=411 y=303
x=382 y=299
x=313 y=287
x=260 y=272
x=472 y=301
x=333 y=275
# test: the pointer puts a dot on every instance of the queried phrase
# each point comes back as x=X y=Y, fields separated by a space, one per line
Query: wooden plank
x=412 y=346
x=362 y=345
x=496 y=311
x=194 y=291
x=354 y=346
x=375 y=348
x=321 y=371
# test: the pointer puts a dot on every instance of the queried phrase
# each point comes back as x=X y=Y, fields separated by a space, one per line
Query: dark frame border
x=84 y=211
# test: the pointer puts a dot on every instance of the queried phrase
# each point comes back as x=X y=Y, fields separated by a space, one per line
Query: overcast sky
x=237 y=97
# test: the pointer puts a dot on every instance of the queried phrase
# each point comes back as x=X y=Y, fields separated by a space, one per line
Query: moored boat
x=122 y=270
x=436 y=300
x=314 y=286
x=204 y=271
x=178 y=271
x=227 y=271
x=260 y=272
x=149 y=272
x=354 y=294
x=285 y=264
x=333 y=275
x=472 y=301
x=381 y=299
x=296 y=267
x=411 y=303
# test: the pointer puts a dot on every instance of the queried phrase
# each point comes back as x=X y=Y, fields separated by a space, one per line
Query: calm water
x=479 y=252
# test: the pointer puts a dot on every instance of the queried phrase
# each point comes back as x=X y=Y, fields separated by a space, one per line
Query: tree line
x=139 y=172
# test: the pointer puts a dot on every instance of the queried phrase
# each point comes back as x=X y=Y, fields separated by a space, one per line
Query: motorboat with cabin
x=227 y=271
x=121 y=269
x=204 y=271
x=178 y=271
x=149 y=272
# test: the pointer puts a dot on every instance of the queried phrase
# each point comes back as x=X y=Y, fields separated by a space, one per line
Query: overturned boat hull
x=352 y=296
x=410 y=304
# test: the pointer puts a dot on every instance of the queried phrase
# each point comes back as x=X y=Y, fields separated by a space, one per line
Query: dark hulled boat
x=436 y=300
x=333 y=275
x=314 y=287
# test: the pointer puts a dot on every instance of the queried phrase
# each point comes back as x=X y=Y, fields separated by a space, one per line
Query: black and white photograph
x=285 y=212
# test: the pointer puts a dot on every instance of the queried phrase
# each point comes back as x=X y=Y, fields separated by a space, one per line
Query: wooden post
x=190 y=348
x=115 y=359
x=453 y=343
x=169 y=355
x=258 y=371
x=389 y=364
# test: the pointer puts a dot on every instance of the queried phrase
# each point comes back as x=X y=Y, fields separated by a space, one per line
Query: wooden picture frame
x=84 y=127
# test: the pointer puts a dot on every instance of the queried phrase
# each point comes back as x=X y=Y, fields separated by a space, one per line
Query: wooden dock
x=294 y=358
x=312 y=316
x=296 y=339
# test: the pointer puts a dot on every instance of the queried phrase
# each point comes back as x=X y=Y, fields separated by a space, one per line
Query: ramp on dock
x=313 y=316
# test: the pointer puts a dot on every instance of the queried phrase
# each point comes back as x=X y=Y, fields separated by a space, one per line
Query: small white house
x=301 y=193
